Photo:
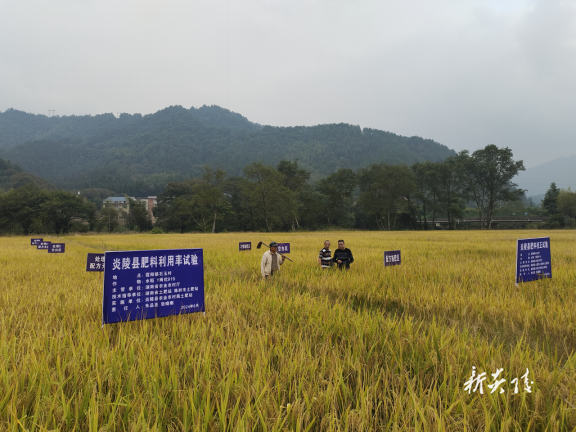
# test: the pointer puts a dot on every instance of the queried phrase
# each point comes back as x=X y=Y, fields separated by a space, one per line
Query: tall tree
x=423 y=195
x=209 y=197
x=339 y=187
x=444 y=184
x=567 y=202
x=488 y=175
x=550 y=201
x=294 y=180
x=274 y=202
x=385 y=190
x=175 y=207
x=138 y=216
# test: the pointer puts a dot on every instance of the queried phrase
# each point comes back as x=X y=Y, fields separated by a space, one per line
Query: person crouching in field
x=271 y=261
x=343 y=256
x=325 y=257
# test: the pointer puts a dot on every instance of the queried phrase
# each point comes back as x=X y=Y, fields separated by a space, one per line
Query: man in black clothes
x=343 y=256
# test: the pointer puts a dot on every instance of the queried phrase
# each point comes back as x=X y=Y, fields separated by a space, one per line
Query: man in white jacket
x=271 y=261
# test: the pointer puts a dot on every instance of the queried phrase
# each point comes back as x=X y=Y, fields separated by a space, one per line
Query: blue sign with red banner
x=533 y=260
x=152 y=284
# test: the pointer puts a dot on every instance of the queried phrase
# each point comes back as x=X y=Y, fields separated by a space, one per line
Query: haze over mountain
x=12 y=176
x=140 y=154
x=537 y=180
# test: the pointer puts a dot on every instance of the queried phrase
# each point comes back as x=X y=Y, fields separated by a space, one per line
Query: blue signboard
x=56 y=248
x=152 y=284
x=35 y=241
x=533 y=259
x=95 y=262
x=43 y=245
x=391 y=258
x=284 y=248
x=245 y=246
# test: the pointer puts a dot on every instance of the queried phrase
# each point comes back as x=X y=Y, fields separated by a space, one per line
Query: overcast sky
x=464 y=73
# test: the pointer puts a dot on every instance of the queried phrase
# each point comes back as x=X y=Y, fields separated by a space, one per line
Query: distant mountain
x=12 y=176
x=139 y=154
x=17 y=127
x=536 y=180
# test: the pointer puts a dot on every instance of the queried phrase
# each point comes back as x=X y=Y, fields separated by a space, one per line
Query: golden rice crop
x=372 y=349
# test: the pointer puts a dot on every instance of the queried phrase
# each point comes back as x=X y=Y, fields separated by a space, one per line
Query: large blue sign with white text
x=533 y=259
x=152 y=284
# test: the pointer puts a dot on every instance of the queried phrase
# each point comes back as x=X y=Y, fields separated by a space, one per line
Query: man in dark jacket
x=343 y=256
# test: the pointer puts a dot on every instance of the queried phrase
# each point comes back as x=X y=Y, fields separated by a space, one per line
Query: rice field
x=376 y=348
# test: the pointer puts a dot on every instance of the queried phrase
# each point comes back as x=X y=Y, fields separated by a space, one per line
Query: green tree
x=423 y=196
x=175 y=207
x=108 y=219
x=385 y=190
x=487 y=178
x=295 y=179
x=138 y=216
x=339 y=188
x=445 y=186
x=567 y=202
x=550 y=201
x=30 y=209
x=273 y=201
x=62 y=207
x=209 y=198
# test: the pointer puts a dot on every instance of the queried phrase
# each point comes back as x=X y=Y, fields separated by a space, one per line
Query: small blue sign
x=43 y=245
x=95 y=262
x=35 y=241
x=533 y=259
x=152 y=284
x=245 y=246
x=284 y=248
x=56 y=248
x=391 y=258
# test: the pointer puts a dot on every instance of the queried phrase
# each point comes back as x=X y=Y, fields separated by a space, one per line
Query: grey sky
x=464 y=73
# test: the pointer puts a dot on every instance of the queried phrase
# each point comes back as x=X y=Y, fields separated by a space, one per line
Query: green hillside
x=140 y=154
x=12 y=176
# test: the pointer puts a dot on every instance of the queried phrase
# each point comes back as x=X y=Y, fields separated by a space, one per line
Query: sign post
x=284 y=248
x=95 y=262
x=533 y=260
x=152 y=284
x=391 y=258
x=56 y=248
x=43 y=245
x=245 y=246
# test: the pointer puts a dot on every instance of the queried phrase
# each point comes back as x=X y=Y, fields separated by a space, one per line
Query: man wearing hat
x=271 y=261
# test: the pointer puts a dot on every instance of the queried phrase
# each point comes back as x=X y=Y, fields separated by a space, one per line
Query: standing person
x=325 y=257
x=343 y=256
x=271 y=261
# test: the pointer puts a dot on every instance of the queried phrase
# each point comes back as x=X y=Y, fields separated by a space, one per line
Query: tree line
x=379 y=196
x=279 y=198
x=32 y=210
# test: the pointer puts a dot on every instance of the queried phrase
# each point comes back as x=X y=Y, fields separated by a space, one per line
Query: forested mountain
x=12 y=176
x=140 y=154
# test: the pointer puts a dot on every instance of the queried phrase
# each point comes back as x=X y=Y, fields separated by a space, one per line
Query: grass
x=372 y=349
